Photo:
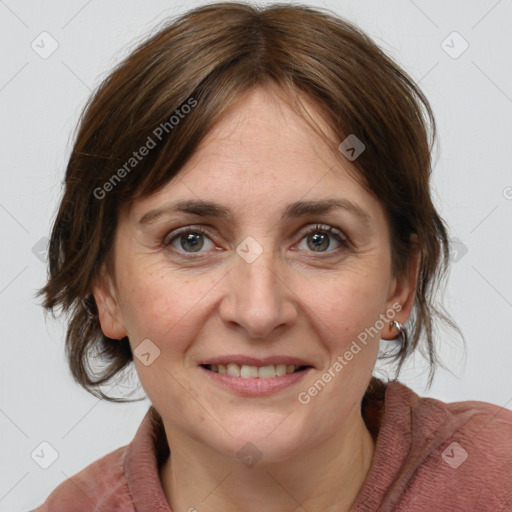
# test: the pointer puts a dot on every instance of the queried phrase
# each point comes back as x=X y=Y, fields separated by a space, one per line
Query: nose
x=258 y=299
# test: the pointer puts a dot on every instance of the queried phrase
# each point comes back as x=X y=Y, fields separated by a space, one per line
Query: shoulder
x=483 y=428
x=481 y=423
x=461 y=451
x=100 y=486
x=486 y=431
x=124 y=479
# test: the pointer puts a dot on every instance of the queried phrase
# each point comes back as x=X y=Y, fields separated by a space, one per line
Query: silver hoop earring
x=398 y=325
x=402 y=333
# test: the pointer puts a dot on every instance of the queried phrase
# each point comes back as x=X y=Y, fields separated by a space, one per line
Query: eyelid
x=324 y=227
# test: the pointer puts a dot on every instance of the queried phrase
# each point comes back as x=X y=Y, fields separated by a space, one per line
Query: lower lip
x=256 y=386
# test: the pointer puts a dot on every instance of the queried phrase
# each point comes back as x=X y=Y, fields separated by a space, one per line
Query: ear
x=109 y=312
x=403 y=290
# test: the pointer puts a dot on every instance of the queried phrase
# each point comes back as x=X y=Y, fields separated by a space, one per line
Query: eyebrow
x=294 y=210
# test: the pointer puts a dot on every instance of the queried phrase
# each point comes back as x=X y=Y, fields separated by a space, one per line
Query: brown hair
x=174 y=88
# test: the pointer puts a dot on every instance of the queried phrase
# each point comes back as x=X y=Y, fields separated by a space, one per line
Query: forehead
x=261 y=130
x=263 y=153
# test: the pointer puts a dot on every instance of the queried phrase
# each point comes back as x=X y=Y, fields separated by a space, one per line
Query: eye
x=319 y=238
x=187 y=238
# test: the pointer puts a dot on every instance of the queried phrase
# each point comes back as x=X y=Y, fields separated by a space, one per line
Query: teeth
x=251 y=372
x=233 y=370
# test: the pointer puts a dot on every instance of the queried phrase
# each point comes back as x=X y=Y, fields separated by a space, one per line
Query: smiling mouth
x=252 y=372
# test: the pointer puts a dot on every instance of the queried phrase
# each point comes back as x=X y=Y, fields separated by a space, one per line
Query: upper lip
x=256 y=361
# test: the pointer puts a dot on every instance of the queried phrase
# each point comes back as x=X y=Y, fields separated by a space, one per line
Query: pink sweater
x=429 y=456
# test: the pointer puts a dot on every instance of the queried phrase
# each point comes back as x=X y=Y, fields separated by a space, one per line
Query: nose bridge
x=259 y=276
x=257 y=300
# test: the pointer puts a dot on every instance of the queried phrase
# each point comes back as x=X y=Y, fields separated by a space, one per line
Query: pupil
x=196 y=243
x=320 y=241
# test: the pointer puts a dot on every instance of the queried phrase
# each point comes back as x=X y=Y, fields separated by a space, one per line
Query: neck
x=325 y=477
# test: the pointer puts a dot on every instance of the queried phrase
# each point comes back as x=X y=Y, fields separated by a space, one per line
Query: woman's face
x=264 y=280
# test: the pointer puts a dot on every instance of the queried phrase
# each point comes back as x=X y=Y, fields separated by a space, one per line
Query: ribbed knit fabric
x=429 y=456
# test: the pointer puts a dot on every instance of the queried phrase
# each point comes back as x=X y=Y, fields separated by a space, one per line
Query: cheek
x=164 y=308
x=160 y=305
x=348 y=304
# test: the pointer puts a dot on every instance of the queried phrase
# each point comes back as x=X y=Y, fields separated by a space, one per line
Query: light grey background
x=40 y=100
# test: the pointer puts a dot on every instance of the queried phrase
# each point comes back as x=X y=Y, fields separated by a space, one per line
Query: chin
x=262 y=442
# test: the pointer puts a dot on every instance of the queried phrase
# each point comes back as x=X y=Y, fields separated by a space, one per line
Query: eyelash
x=318 y=228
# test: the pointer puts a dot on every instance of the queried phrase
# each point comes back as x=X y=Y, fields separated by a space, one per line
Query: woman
x=247 y=214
